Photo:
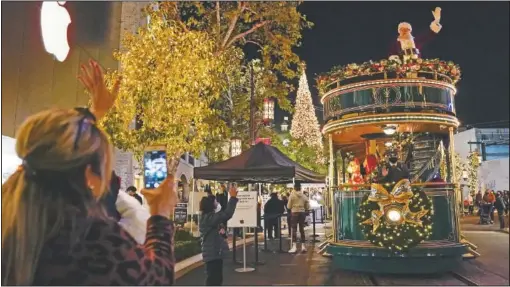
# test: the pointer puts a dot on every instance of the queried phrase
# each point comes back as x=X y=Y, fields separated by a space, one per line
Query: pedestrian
x=491 y=199
x=499 y=205
x=478 y=199
x=299 y=205
x=54 y=228
x=285 y=200
x=132 y=191
x=214 y=244
x=273 y=209
x=471 y=207
x=133 y=216
x=506 y=200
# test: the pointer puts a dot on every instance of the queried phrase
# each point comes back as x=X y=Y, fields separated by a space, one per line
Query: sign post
x=245 y=216
x=181 y=213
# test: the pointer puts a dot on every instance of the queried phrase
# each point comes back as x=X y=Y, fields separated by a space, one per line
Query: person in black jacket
x=273 y=207
x=499 y=205
x=214 y=244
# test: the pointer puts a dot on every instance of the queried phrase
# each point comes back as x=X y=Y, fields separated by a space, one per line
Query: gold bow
x=400 y=194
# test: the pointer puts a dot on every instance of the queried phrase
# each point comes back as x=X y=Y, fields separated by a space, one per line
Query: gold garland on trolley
x=397 y=220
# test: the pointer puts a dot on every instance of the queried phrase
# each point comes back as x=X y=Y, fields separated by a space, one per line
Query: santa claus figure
x=354 y=170
x=407 y=44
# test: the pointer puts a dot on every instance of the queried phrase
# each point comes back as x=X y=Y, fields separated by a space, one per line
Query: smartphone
x=155 y=167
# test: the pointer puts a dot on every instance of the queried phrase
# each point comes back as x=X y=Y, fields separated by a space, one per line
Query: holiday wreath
x=397 y=220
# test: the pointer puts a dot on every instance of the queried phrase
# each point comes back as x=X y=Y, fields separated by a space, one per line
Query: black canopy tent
x=260 y=164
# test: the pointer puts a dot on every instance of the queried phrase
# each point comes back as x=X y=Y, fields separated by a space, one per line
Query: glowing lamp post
x=268 y=112
x=235 y=146
x=55 y=20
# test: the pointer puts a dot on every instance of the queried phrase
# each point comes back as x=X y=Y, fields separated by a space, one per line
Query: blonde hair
x=56 y=147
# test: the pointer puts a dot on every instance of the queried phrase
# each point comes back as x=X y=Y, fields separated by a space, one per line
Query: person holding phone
x=54 y=228
x=214 y=244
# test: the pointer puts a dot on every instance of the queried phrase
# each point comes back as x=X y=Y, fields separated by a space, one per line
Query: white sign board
x=246 y=210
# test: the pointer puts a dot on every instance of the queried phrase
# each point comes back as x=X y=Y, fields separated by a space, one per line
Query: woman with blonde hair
x=54 y=229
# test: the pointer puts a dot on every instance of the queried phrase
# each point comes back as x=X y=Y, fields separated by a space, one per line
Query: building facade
x=493 y=147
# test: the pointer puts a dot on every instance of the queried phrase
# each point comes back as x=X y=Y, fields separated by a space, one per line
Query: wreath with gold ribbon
x=397 y=220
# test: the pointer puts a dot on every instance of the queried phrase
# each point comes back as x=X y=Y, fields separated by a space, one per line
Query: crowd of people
x=490 y=202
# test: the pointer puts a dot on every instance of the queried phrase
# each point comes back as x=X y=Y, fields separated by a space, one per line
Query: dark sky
x=474 y=35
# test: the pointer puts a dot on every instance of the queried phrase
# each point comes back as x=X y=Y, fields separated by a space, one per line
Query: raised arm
x=223 y=216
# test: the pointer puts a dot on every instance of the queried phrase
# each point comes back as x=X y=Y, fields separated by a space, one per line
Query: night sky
x=474 y=35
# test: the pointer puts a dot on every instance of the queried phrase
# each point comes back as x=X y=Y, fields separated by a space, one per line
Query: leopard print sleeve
x=159 y=258
x=152 y=263
x=108 y=255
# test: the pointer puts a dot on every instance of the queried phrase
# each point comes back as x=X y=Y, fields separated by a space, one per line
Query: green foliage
x=186 y=249
x=298 y=152
x=274 y=27
x=170 y=85
x=397 y=237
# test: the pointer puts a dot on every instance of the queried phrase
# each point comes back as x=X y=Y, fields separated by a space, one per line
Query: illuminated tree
x=305 y=127
x=472 y=169
x=274 y=27
x=169 y=81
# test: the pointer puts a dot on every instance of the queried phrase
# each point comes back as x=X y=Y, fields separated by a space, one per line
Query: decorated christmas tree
x=305 y=126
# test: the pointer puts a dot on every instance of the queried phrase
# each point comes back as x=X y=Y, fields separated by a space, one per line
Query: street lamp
x=268 y=112
x=235 y=146
x=465 y=175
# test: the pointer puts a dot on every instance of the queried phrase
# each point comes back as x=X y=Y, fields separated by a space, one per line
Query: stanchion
x=322 y=214
x=244 y=269
x=280 y=234
x=234 y=247
x=257 y=262
x=265 y=235
x=314 y=235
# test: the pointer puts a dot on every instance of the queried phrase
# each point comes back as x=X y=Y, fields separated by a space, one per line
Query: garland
x=393 y=64
x=397 y=237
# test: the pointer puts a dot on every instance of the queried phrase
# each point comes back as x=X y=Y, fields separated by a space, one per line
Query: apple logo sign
x=55 y=20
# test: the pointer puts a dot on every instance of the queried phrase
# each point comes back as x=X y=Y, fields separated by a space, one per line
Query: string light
x=305 y=126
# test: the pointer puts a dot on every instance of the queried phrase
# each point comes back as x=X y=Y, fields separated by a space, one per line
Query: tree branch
x=218 y=19
x=253 y=42
x=244 y=34
x=232 y=24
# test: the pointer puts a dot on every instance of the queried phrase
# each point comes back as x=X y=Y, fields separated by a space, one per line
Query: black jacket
x=214 y=245
x=273 y=207
x=499 y=204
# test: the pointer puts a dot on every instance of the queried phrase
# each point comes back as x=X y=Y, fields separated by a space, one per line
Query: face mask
x=218 y=208
x=393 y=160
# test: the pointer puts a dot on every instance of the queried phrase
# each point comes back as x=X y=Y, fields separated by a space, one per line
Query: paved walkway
x=277 y=268
x=471 y=223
